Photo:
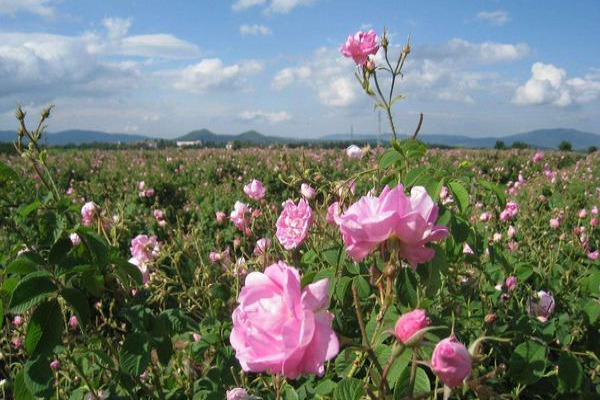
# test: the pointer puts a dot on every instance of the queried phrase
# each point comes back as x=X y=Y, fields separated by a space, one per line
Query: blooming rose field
x=395 y=272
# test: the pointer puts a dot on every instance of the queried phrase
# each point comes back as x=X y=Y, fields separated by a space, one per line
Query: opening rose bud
x=451 y=361
x=409 y=325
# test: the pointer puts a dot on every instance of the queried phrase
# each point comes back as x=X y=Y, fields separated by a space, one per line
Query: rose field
x=388 y=272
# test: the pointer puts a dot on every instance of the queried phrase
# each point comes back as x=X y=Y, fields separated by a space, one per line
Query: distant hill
x=77 y=136
x=541 y=138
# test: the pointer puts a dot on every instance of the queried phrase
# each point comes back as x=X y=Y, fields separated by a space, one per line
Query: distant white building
x=189 y=143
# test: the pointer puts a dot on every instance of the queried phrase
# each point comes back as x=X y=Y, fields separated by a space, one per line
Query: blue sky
x=163 y=68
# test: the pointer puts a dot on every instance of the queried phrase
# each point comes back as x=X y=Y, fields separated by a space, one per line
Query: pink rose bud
x=17 y=321
x=73 y=323
x=354 y=152
x=595 y=210
x=593 y=255
x=220 y=217
x=237 y=394
x=410 y=323
x=511 y=232
x=485 y=216
x=88 y=213
x=510 y=283
x=307 y=191
x=273 y=305
x=17 y=342
x=159 y=215
x=141 y=186
x=541 y=306
x=55 y=365
x=451 y=361
x=255 y=190
x=554 y=223
x=582 y=213
x=594 y=221
x=197 y=337
x=75 y=239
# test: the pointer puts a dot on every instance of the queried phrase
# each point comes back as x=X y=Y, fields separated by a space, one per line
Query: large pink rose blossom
x=451 y=361
x=373 y=220
x=360 y=46
x=281 y=329
x=410 y=323
x=144 y=248
x=293 y=223
x=255 y=190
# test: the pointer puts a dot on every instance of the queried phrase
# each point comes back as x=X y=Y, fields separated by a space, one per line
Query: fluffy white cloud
x=255 y=29
x=271 y=117
x=496 y=18
x=549 y=85
x=460 y=50
x=288 y=76
x=38 y=7
x=212 y=73
x=274 y=6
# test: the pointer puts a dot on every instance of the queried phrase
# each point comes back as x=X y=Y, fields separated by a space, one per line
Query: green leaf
x=32 y=289
x=38 y=376
x=349 y=389
x=25 y=210
x=79 y=303
x=344 y=362
x=570 y=373
x=422 y=384
x=591 y=310
x=21 y=390
x=325 y=387
x=363 y=289
x=497 y=190
x=97 y=247
x=528 y=362
x=25 y=264
x=413 y=175
x=135 y=353
x=128 y=273
x=44 y=331
x=460 y=195
x=59 y=250
x=389 y=157
x=1 y=313
x=7 y=174
x=289 y=393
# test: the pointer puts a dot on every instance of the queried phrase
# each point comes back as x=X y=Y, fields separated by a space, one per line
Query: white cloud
x=255 y=29
x=240 y=5
x=38 y=7
x=212 y=73
x=548 y=85
x=288 y=76
x=496 y=18
x=273 y=7
x=462 y=50
x=339 y=92
x=270 y=117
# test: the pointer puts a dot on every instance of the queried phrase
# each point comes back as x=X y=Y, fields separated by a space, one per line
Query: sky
x=163 y=68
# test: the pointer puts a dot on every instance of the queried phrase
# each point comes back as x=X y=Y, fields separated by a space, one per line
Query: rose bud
x=409 y=324
x=451 y=361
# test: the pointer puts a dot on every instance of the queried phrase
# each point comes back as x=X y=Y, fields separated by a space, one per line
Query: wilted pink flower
x=262 y=245
x=237 y=394
x=307 y=191
x=360 y=46
x=55 y=365
x=220 y=217
x=75 y=239
x=510 y=283
x=255 y=190
x=510 y=211
x=410 y=323
x=354 y=152
x=537 y=156
x=281 y=329
x=451 y=361
x=593 y=255
x=88 y=213
x=73 y=323
x=17 y=321
x=293 y=223
x=554 y=223
x=373 y=220
x=541 y=306
x=333 y=211
x=238 y=215
x=144 y=248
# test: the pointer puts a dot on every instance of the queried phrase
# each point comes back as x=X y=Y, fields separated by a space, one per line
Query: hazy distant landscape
x=541 y=138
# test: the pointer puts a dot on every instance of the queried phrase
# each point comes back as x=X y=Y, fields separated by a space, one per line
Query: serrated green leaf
x=44 y=331
x=38 y=376
x=528 y=362
x=349 y=389
x=135 y=353
x=77 y=301
x=570 y=373
x=32 y=289
x=21 y=390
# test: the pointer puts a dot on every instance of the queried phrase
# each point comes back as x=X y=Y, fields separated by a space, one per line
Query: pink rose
x=262 y=245
x=144 y=248
x=537 y=156
x=238 y=215
x=255 y=190
x=451 y=361
x=360 y=46
x=281 y=329
x=55 y=365
x=354 y=152
x=89 y=212
x=75 y=239
x=373 y=220
x=510 y=283
x=511 y=232
x=510 y=211
x=220 y=217
x=582 y=213
x=593 y=255
x=307 y=191
x=17 y=321
x=237 y=394
x=159 y=215
x=73 y=323
x=333 y=212
x=293 y=223
x=467 y=249
x=410 y=323
x=554 y=223
x=541 y=306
